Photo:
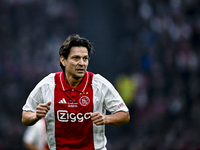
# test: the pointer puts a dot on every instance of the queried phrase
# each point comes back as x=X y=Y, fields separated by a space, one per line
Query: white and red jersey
x=68 y=123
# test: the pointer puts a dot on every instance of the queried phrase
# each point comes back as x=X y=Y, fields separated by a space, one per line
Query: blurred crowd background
x=148 y=49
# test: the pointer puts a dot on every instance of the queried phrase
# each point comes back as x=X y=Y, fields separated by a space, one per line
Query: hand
x=98 y=118
x=42 y=110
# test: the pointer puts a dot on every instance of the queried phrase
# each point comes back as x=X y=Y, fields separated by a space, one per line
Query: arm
x=110 y=101
x=30 y=118
x=116 y=119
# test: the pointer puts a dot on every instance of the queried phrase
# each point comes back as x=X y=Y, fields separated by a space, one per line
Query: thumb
x=49 y=103
x=90 y=113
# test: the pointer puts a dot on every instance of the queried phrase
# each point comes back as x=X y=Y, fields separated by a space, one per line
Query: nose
x=81 y=62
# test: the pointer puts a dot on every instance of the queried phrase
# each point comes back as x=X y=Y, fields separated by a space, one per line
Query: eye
x=76 y=57
x=85 y=58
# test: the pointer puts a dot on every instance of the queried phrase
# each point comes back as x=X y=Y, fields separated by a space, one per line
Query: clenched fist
x=98 y=118
x=42 y=110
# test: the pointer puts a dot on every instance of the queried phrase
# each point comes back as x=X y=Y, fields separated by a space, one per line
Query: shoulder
x=99 y=78
x=46 y=82
x=101 y=81
x=49 y=79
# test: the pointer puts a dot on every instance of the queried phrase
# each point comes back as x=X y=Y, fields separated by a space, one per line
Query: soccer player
x=74 y=102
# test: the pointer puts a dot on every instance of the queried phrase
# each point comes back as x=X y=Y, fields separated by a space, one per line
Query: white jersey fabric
x=105 y=97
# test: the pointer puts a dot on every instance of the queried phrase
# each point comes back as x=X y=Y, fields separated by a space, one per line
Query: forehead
x=78 y=50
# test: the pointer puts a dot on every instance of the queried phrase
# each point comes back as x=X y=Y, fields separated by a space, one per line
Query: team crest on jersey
x=84 y=100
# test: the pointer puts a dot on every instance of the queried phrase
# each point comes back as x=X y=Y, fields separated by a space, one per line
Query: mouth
x=80 y=70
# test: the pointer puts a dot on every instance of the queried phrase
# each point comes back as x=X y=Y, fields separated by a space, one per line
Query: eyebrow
x=79 y=56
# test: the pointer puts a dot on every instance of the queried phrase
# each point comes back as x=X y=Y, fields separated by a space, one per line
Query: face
x=76 y=63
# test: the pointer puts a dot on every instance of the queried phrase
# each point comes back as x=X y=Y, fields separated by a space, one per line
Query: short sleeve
x=39 y=94
x=33 y=100
x=111 y=99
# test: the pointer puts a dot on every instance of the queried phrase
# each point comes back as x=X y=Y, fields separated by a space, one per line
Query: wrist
x=36 y=117
x=106 y=119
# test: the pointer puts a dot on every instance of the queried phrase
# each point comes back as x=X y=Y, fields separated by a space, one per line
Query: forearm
x=29 y=118
x=117 y=119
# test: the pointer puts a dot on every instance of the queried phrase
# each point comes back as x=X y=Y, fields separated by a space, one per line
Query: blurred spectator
x=35 y=136
x=126 y=87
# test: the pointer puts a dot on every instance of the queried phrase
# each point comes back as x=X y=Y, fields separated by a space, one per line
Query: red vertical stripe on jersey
x=73 y=126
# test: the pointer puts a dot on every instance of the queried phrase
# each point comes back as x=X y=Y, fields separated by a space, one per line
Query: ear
x=62 y=59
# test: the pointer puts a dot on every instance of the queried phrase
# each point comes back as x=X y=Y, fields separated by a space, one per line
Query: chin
x=80 y=75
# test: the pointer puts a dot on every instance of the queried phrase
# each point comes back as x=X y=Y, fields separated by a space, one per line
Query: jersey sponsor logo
x=119 y=106
x=84 y=100
x=65 y=116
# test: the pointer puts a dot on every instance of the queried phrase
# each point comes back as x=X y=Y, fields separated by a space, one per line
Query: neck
x=73 y=82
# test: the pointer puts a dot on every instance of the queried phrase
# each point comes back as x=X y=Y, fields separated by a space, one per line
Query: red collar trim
x=81 y=87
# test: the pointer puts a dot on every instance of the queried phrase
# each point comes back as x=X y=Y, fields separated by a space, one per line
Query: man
x=74 y=102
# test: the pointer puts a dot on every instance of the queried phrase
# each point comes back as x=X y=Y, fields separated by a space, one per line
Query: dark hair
x=71 y=41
